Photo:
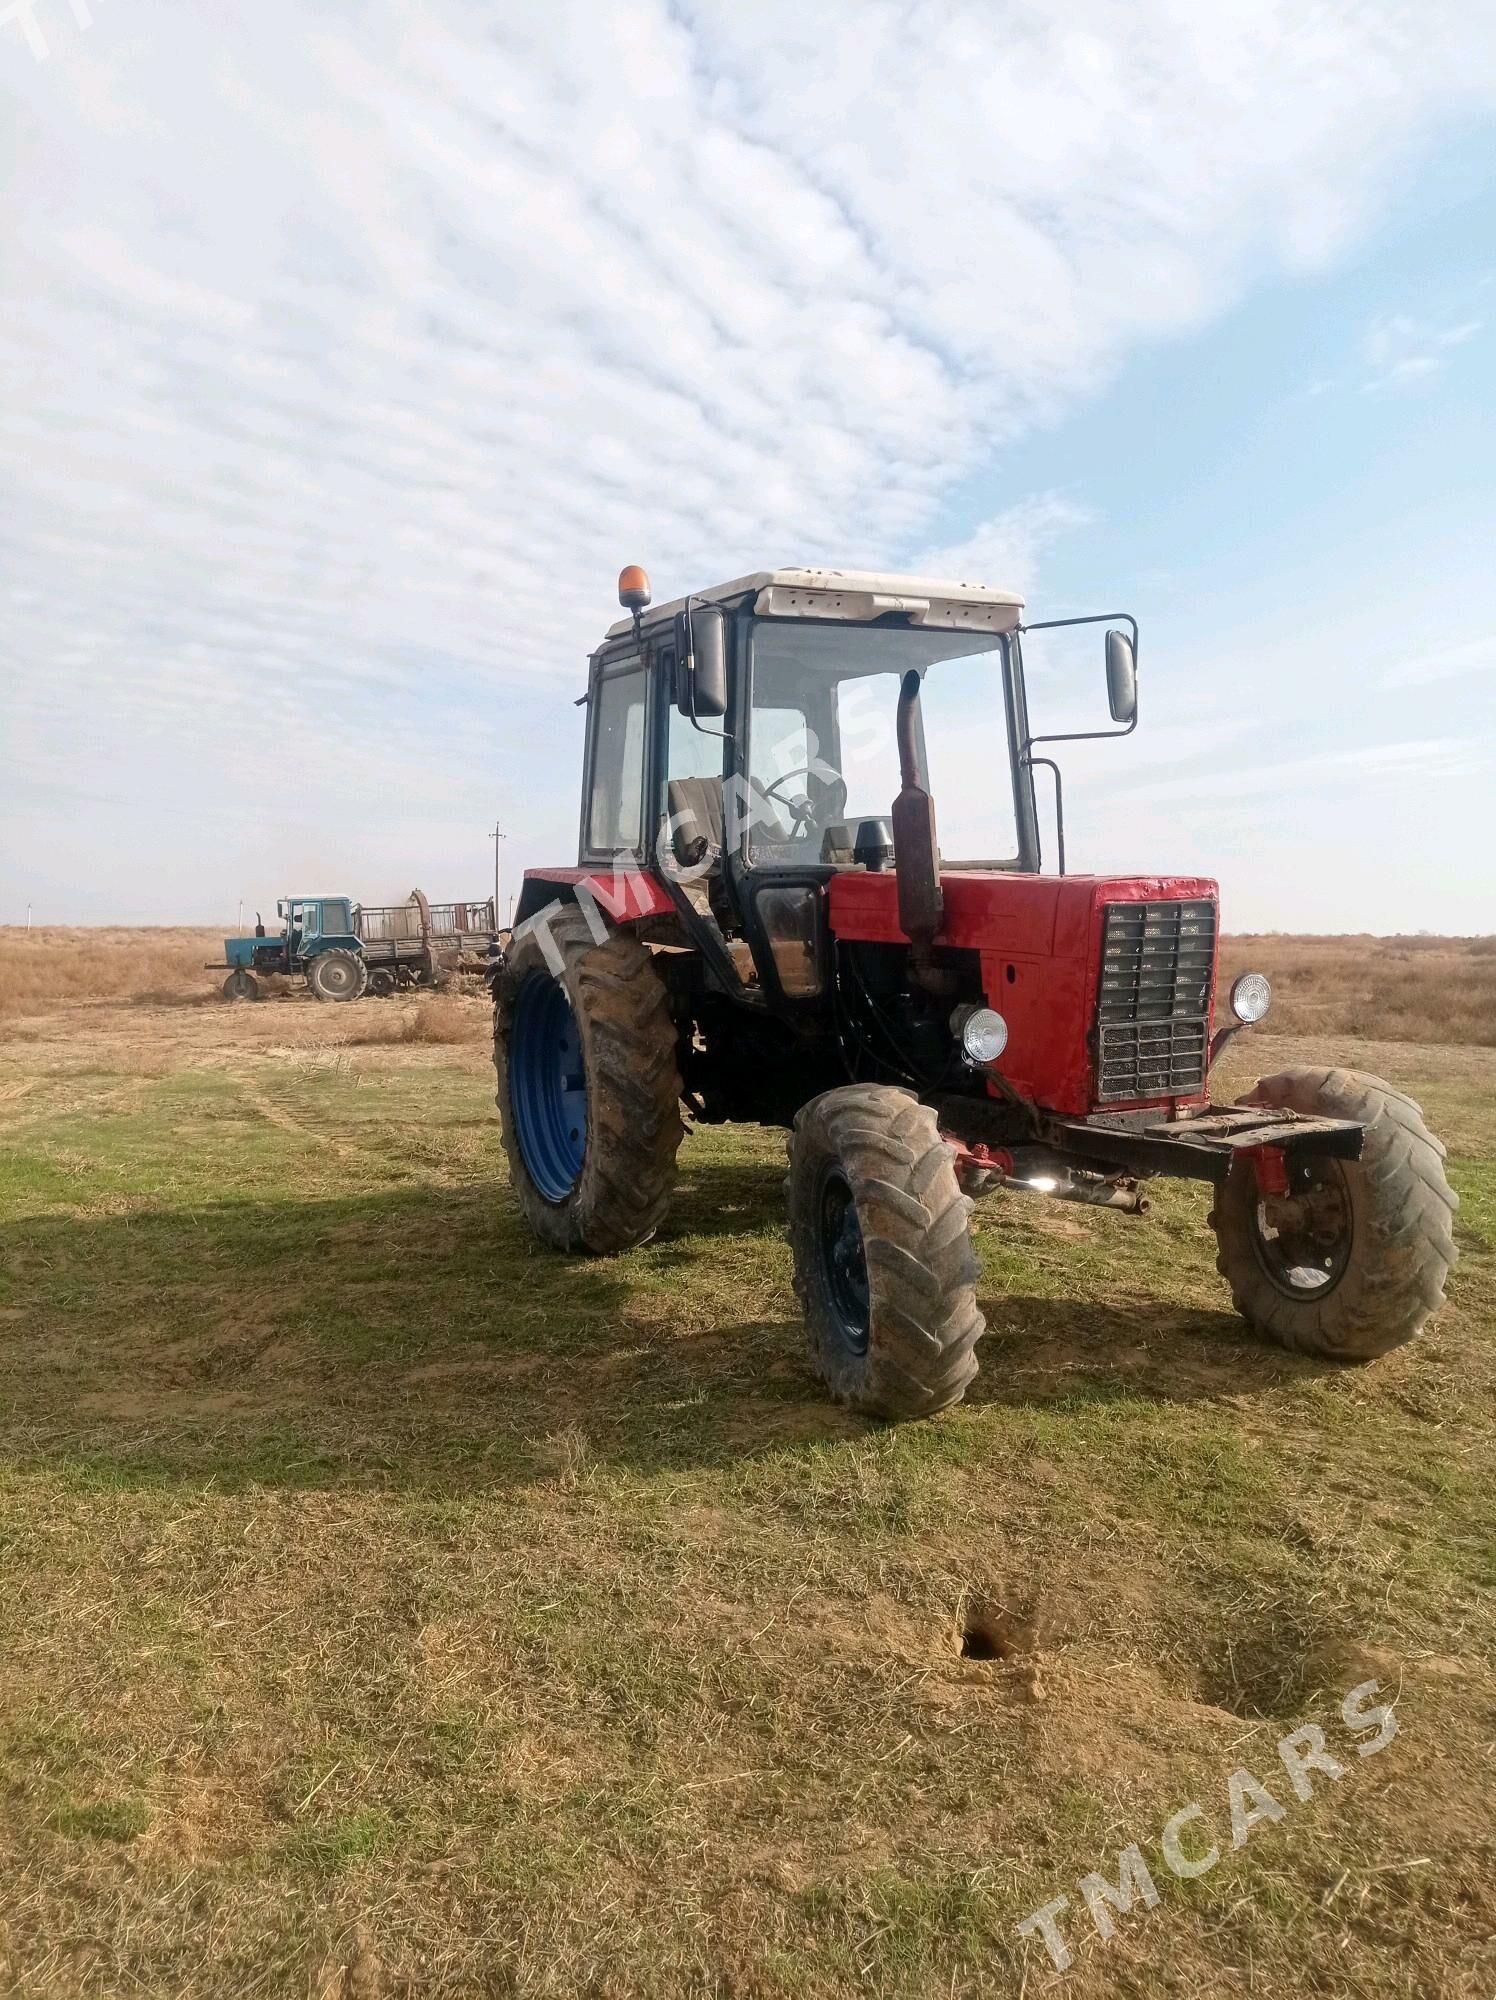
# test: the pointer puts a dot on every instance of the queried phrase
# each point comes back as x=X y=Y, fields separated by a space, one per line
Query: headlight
x=1251 y=996
x=983 y=1034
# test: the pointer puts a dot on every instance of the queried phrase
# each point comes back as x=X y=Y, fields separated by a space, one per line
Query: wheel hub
x=1303 y=1238
x=844 y=1260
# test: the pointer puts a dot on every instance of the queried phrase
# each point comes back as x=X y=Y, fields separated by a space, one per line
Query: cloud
x=1364 y=766
x=1007 y=549
x=350 y=353
x=1400 y=351
x=1474 y=656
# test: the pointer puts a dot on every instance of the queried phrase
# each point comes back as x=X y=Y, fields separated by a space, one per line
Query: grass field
x=390 y=1608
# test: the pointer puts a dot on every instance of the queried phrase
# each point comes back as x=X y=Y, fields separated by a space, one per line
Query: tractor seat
x=697 y=824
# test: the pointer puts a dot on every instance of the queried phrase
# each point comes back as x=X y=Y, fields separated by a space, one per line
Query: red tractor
x=762 y=927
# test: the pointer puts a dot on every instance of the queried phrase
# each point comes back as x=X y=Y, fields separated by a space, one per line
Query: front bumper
x=1200 y=1147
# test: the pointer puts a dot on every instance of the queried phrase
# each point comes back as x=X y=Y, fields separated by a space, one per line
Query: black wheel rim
x=1303 y=1239
x=844 y=1259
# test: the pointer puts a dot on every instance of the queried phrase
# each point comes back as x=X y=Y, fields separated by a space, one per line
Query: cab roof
x=853 y=596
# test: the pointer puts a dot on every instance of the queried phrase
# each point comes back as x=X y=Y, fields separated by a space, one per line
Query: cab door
x=777 y=874
x=618 y=710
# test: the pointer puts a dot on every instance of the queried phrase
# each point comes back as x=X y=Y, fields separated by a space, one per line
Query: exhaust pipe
x=916 y=856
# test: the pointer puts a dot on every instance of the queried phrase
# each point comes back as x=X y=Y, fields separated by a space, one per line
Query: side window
x=693 y=752
x=780 y=744
x=615 y=804
x=780 y=749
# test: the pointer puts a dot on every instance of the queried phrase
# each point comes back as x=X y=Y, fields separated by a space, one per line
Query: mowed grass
x=392 y=1608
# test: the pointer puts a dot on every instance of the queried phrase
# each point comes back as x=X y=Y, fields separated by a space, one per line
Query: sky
x=349 y=350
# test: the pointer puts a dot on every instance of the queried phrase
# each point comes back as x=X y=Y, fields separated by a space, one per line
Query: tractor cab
x=749 y=745
x=317 y=923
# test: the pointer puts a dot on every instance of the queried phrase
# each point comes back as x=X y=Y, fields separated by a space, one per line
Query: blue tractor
x=317 y=940
x=344 y=949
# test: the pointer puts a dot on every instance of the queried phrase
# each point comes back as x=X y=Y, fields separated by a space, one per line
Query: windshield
x=822 y=749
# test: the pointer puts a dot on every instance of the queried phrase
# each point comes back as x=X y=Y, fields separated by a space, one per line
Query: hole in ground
x=988 y=1632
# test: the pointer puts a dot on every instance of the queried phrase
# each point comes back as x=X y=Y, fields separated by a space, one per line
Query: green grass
x=383 y=1593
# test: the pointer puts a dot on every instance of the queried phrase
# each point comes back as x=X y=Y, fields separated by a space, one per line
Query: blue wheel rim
x=548 y=1086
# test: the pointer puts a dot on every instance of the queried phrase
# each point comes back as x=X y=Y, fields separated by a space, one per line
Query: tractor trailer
x=761 y=925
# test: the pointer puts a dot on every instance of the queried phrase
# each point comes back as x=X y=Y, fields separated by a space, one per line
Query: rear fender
x=622 y=897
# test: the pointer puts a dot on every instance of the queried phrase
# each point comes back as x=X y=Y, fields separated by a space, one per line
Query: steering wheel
x=801 y=810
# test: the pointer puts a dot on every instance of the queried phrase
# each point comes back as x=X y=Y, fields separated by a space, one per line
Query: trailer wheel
x=588 y=1088
x=337 y=975
x=1354 y=1259
x=381 y=982
x=241 y=985
x=884 y=1268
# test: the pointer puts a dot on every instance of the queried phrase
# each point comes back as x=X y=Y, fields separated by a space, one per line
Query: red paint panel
x=1039 y=937
x=982 y=912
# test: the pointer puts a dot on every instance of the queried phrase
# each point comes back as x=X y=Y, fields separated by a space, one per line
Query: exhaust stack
x=916 y=857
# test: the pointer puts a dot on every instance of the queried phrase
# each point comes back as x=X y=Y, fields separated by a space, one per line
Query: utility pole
x=498 y=837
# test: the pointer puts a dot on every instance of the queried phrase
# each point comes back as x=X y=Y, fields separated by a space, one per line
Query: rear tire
x=588 y=1088
x=884 y=1268
x=1368 y=1267
x=337 y=975
x=241 y=985
x=381 y=983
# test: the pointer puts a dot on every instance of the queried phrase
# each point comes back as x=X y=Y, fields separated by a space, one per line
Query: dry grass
x=65 y=965
x=59 y=966
x=441 y=1019
x=1390 y=989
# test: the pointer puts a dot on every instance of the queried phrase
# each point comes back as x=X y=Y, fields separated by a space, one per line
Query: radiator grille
x=1152 y=1012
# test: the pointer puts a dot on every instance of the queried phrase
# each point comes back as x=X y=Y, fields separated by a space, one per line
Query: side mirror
x=704 y=691
x=1121 y=678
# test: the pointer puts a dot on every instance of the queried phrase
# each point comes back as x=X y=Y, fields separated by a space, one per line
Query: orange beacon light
x=633 y=588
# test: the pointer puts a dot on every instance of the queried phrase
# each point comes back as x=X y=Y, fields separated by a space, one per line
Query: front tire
x=241 y=985
x=884 y=1268
x=337 y=975
x=588 y=1088
x=1353 y=1262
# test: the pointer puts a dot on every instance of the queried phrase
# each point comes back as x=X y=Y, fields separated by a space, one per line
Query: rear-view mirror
x=1121 y=678
x=704 y=692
